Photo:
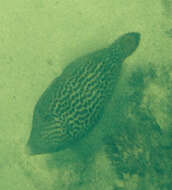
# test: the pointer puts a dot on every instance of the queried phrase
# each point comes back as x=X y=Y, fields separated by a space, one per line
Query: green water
x=130 y=148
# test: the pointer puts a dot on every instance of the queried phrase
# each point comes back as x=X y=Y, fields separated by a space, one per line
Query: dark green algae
x=75 y=101
x=138 y=147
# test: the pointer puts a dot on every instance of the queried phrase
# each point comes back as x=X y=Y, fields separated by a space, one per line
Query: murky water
x=130 y=148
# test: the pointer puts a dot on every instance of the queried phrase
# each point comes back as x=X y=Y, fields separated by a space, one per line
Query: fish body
x=75 y=101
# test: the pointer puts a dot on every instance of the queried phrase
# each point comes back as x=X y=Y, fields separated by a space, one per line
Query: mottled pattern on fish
x=77 y=102
x=74 y=103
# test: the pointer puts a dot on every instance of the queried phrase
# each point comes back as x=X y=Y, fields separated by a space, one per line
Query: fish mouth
x=126 y=44
x=133 y=38
x=130 y=42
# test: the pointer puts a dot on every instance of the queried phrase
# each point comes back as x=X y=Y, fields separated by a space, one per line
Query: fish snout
x=125 y=45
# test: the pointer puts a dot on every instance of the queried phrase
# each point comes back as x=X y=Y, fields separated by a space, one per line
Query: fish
x=74 y=102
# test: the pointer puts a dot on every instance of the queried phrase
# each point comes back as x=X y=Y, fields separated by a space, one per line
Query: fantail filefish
x=75 y=101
